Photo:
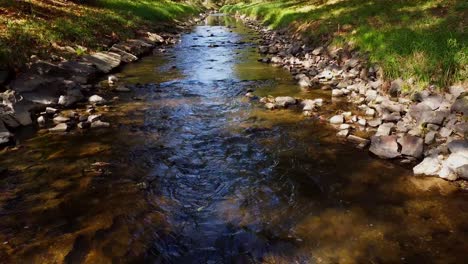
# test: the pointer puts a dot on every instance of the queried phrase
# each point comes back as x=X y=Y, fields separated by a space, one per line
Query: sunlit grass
x=423 y=40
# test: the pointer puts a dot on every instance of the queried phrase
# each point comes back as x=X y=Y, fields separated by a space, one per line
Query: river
x=194 y=172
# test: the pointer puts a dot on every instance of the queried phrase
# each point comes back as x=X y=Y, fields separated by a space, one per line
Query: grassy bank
x=30 y=27
x=421 y=39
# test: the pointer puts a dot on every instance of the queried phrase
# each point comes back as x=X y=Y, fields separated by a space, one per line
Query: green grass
x=425 y=40
x=30 y=27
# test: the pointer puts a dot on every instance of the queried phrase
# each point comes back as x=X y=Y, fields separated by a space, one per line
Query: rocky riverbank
x=60 y=96
x=426 y=129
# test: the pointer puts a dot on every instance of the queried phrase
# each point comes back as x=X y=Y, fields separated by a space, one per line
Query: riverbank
x=421 y=41
x=427 y=129
x=70 y=29
x=61 y=95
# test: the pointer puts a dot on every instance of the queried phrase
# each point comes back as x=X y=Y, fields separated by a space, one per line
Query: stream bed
x=191 y=171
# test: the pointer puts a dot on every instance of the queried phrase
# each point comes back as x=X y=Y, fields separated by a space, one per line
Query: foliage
x=421 y=39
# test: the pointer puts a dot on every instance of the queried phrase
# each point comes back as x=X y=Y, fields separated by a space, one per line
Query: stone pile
x=427 y=128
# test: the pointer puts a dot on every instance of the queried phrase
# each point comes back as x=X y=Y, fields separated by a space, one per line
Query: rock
x=461 y=105
x=433 y=101
x=84 y=125
x=93 y=118
x=345 y=126
x=305 y=82
x=433 y=117
x=308 y=105
x=391 y=106
x=60 y=119
x=458 y=147
x=411 y=146
x=395 y=87
x=104 y=61
x=21 y=112
x=433 y=127
x=318 y=51
x=385 y=147
x=81 y=72
x=391 y=117
x=249 y=95
x=343 y=133
x=450 y=166
x=5 y=136
x=41 y=122
x=370 y=112
x=462 y=172
x=337 y=119
x=362 y=122
x=429 y=138
x=270 y=106
x=62 y=127
x=456 y=91
x=445 y=132
x=154 y=38
x=51 y=110
x=96 y=99
x=371 y=95
x=9 y=121
x=124 y=56
x=285 y=101
x=337 y=93
x=358 y=140
x=99 y=124
x=385 y=129
x=462 y=128
x=430 y=166
x=72 y=96
x=374 y=122
x=112 y=79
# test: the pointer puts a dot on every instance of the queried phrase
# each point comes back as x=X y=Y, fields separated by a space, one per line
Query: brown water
x=198 y=174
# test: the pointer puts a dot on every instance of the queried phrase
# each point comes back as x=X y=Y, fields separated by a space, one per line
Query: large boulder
x=79 y=71
x=411 y=146
x=385 y=147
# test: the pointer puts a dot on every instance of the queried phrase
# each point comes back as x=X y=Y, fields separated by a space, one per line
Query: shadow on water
x=195 y=173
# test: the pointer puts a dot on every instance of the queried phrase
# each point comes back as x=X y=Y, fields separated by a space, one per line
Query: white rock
x=41 y=121
x=50 y=110
x=270 y=106
x=370 y=112
x=384 y=129
x=337 y=119
x=93 y=118
x=99 y=124
x=112 y=79
x=63 y=127
x=429 y=166
x=337 y=93
x=345 y=126
x=343 y=133
x=450 y=166
x=96 y=99
x=60 y=119
x=362 y=122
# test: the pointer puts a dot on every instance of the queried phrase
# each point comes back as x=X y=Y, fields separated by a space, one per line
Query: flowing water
x=193 y=172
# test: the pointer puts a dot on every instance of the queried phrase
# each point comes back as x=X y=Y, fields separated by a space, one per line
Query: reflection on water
x=195 y=173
